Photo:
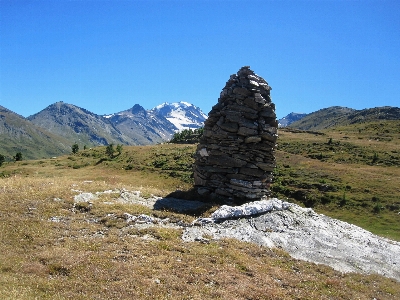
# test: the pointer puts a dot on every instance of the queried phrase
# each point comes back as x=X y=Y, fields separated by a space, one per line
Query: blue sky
x=106 y=56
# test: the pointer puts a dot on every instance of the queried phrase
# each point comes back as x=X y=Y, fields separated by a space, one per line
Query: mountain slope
x=78 y=125
x=18 y=134
x=182 y=114
x=141 y=126
x=336 y=115
x=374 y=114
x=323 y=118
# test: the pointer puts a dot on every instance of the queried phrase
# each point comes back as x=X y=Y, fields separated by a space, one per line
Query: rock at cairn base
x=235 y=157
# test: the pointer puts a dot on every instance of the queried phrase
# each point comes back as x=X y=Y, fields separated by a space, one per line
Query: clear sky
x=106 y=56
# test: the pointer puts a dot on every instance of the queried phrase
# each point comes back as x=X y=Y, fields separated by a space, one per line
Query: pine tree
x=110 y=150
x=75 y=148
x=18 y=156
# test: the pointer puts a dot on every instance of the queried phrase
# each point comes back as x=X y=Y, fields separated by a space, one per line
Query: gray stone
x=245 y=131
x=242 y=91
x=252 y=139
x=226 y=161
x=230 y=126
x=252 y=172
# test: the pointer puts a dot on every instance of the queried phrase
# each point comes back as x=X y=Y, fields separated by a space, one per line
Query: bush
x=110 y=151
x=119 y=149
x=343 y=201
x=18 y=156
x=377 y=208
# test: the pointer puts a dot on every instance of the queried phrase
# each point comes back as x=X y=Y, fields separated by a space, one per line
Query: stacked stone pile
x=235 y=157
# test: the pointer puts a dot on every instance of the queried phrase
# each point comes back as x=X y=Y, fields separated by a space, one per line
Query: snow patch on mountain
x=182 y=114
x=290 y=118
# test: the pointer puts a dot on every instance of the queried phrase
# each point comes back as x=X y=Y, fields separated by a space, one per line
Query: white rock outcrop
x=249 y=209
x=305 y=235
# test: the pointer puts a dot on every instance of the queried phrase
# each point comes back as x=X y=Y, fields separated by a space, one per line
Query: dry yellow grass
x=85 y=256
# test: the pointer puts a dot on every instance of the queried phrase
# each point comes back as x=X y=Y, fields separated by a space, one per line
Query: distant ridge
x=340 y=116
x=78 y=125
x=290 y=118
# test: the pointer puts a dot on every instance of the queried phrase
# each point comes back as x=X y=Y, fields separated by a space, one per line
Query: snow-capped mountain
x=158 y=124
x=290 y=118
x=182 y=114
x=142 y=126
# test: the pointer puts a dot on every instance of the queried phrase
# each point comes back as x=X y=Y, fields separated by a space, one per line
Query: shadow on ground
x=184 y=202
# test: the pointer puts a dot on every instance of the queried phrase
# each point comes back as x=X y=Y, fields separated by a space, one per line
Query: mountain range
x=56 y=128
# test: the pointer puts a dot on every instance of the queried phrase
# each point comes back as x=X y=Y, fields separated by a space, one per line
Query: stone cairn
x=235 y=157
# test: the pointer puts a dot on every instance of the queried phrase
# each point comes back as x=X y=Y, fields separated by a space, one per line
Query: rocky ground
x=301 y=232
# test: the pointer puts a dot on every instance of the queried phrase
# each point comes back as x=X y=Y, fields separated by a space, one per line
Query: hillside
x=323 y=118
x=341 y=116
x=17 y=134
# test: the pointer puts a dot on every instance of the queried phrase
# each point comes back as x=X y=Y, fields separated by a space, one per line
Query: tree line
x=16 y=157
x=110 y=151
x=187 y=136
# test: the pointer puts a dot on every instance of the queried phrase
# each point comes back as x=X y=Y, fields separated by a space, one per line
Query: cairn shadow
x=191 y=203
x=187 y=202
